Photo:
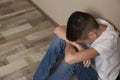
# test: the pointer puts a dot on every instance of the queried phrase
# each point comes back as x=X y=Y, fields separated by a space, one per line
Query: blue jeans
x=64 y=71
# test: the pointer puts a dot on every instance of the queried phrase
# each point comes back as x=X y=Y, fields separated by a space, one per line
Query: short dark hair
x=79 y=25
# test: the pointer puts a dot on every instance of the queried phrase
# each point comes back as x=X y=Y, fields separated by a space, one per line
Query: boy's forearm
x=82 y=56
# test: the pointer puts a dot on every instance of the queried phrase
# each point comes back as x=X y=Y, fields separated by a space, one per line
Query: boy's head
x=79 y=26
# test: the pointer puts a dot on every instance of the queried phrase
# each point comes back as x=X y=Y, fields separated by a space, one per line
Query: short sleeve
x=105 y=48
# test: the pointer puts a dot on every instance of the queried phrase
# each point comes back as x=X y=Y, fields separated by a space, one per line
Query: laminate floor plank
x=25 y=36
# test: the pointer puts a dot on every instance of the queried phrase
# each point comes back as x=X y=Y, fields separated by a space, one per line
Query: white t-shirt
x=107 y=64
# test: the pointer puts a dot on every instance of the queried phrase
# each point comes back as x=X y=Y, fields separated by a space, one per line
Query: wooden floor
x=25 y=35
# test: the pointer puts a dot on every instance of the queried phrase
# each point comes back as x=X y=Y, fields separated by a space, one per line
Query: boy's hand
x=87 y=63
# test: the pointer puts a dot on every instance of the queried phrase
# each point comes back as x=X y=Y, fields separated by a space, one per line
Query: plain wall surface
x=60 y=10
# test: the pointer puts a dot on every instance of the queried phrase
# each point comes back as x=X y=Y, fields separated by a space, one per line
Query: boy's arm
x=60 y=31
x=71 y=56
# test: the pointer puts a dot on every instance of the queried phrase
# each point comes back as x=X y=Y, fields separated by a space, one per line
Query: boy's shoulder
x=108 y=40
x=110 y=32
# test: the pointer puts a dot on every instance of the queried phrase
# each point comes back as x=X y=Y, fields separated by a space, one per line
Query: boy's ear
x=92 y=35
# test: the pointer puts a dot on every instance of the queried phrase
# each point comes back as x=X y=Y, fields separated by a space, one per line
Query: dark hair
x=79 y=25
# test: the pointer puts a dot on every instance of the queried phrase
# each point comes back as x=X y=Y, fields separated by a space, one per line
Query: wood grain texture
x=25 y=36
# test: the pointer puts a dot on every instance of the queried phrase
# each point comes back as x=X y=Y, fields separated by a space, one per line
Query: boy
x=102 y=44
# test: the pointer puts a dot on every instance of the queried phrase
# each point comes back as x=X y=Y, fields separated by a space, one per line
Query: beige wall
x=60 y=10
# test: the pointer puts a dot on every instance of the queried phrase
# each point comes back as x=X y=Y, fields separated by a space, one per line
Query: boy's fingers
x=87 y=63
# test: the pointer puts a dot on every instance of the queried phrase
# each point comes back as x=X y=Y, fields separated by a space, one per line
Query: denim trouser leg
x=83 y=73
x=54 y=52
x=63 y=72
